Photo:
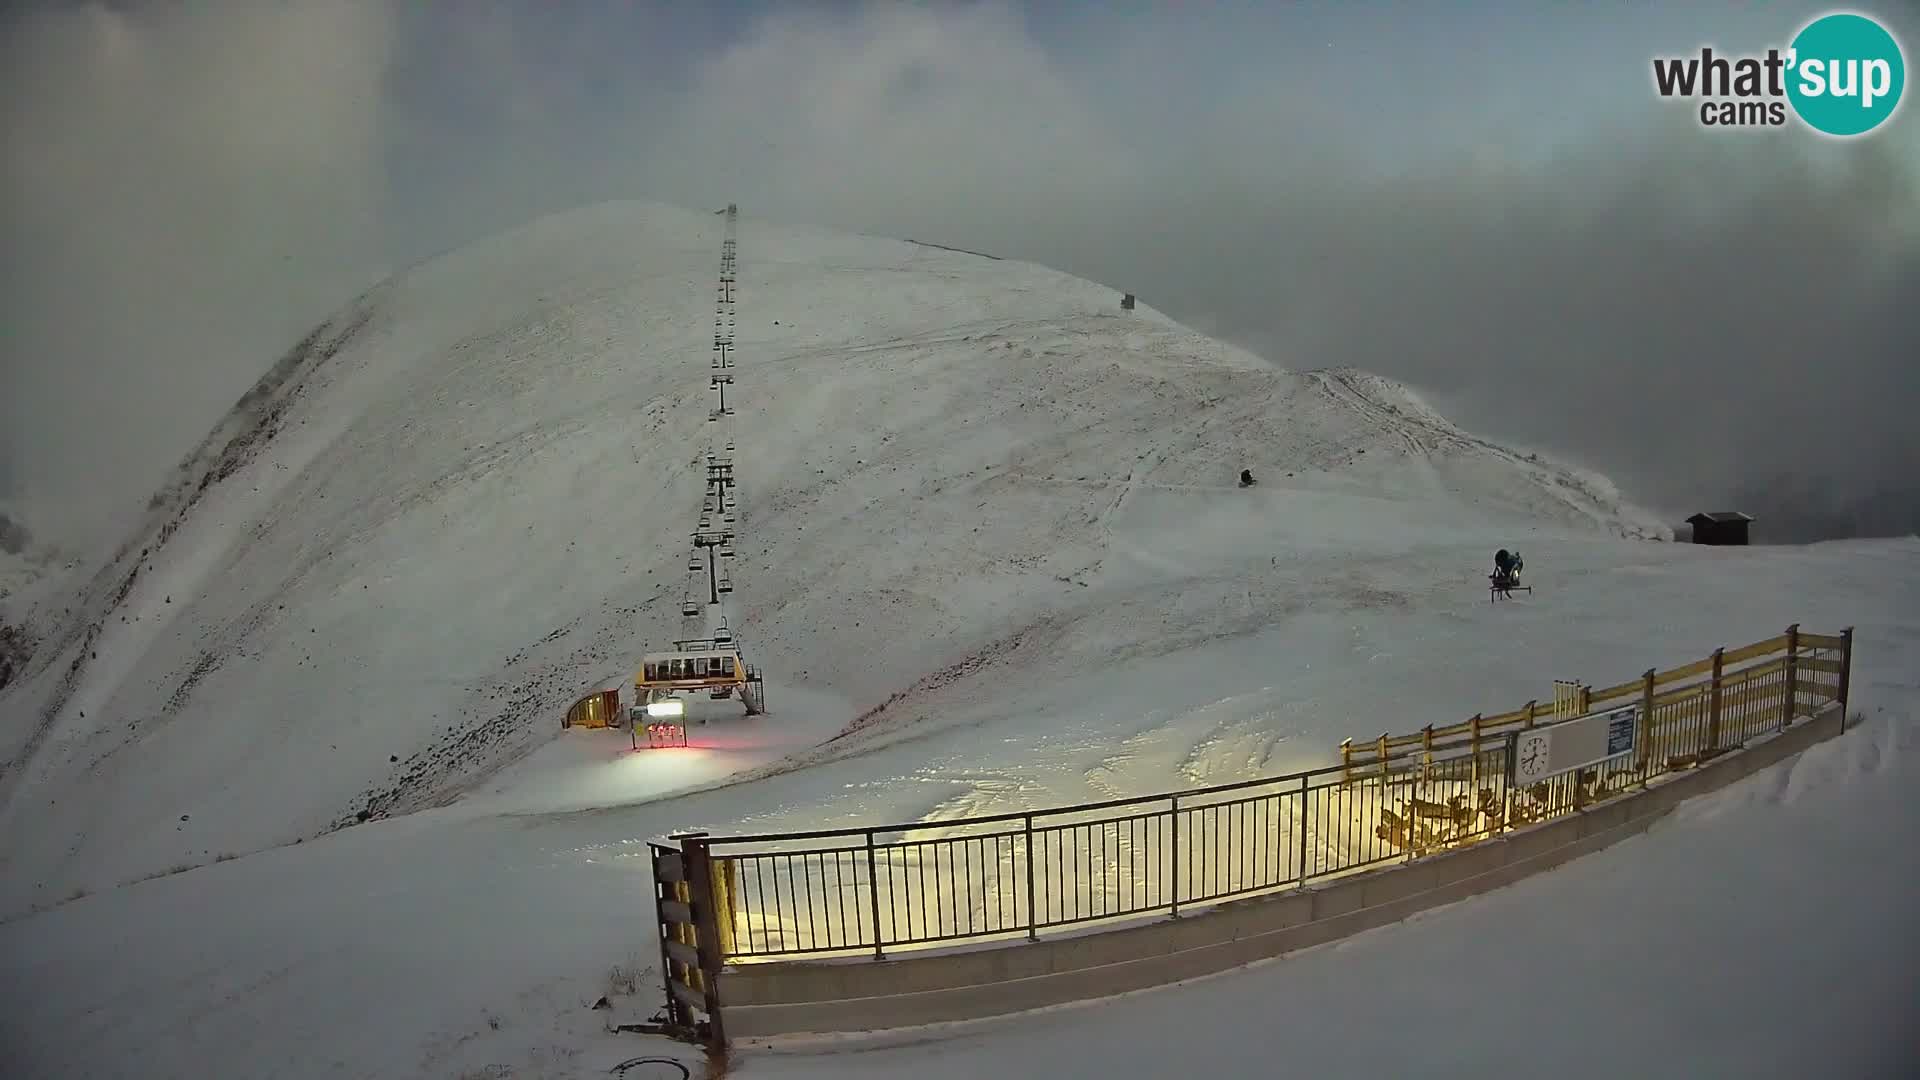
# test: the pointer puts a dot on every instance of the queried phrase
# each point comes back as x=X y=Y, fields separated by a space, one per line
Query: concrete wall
x=864 y=994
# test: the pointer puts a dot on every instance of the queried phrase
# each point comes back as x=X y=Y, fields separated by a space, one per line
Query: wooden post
x=1381 y=749
x=1713 y=702
x=726 y=887
x=1793 y=676
x=707 y=932
x=1426 y=754
x=1645 y=739
x=663 y=888
x=1586 y=699
x=1846 y=673
x=1346 y=762
x=1473 y=727
x=1533 y=708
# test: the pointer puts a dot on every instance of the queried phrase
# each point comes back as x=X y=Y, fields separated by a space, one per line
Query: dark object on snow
x=1126 y=302
x=1246 y=477
x=1724 y=527
x=1506 y=575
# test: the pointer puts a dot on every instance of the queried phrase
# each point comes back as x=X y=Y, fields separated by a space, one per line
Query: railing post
x=677 y=1013
x=873 y=899
x=1426 y=754
x=1473 y=727
x=1713 y=701
x=1380 y=748
x=1303 y=829
x=1511 y=752
x=1174 y=818
x=698 y=860
x=1033 y=919
x=1846 y=673
x=1645 y=754
x=1346 y=761
x=1793 y=676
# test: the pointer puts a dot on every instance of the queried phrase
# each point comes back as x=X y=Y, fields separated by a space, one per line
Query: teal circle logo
x=1847 y=74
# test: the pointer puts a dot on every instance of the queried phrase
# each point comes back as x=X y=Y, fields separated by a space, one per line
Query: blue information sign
x=1620 y=733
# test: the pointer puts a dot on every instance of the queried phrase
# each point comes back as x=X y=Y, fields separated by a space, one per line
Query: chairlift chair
x=726 y=585
x=689 y=608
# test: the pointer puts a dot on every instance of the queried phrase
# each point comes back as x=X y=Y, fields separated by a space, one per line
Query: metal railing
x=874 y=889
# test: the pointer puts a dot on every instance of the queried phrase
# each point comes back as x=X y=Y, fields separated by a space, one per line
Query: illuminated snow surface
x=976 y=484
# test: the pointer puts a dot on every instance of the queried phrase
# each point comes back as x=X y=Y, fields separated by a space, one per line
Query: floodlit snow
x=1765 y=930
x=973 y=490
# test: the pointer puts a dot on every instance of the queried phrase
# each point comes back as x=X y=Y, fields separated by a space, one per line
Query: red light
x=665 y=735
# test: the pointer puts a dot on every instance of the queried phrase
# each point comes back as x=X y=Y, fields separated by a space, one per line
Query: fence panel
x=1398 y=798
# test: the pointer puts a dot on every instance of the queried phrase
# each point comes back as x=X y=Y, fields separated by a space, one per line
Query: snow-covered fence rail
x=1015 y=876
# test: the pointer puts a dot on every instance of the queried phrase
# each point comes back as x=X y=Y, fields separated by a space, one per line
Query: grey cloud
x=185 y=191
x=1708 y=319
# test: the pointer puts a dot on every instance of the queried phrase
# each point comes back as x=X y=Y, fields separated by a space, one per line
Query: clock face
x=1531 y=755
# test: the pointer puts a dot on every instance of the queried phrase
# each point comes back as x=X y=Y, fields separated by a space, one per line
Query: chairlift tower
x=711 y=541
x=713 y=551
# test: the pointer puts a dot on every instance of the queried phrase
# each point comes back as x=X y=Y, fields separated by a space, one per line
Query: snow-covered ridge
x=82 y=627
x=463 y=502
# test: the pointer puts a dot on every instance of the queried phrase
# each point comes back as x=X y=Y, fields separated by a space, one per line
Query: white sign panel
x=1544 y=752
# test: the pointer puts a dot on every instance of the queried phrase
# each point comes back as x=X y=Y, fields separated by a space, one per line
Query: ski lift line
x=708 y=600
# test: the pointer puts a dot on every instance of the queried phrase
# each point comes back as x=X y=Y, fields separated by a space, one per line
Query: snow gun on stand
x=1505 y=579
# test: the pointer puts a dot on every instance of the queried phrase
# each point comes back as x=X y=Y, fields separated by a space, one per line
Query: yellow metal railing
x=882 y=889
x=1730 y=696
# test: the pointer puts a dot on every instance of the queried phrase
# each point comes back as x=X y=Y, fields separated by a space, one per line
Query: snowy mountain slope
x=467 y=941
x=465 y=500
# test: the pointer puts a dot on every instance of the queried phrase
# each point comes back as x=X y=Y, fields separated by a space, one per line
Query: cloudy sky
x=1486 y=200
